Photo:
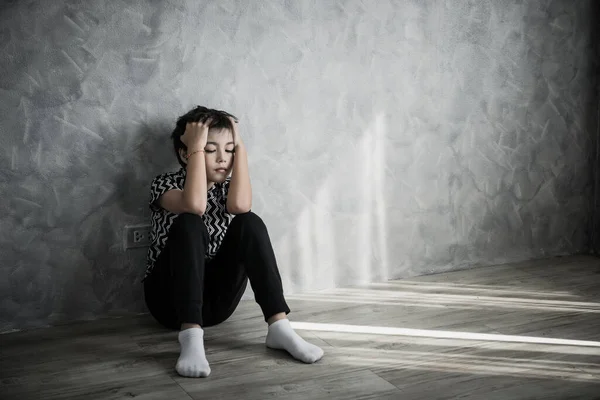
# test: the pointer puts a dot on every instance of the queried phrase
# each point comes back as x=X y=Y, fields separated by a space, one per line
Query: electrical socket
x=137 y=236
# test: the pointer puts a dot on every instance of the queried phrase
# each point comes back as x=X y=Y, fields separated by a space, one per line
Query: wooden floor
x=522 y=331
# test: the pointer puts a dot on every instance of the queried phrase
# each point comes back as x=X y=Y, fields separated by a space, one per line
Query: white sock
x=282 y=336
x=192 y=360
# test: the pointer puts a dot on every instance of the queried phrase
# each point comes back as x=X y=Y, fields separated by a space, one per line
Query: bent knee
x=248 y=218
x=190 y=221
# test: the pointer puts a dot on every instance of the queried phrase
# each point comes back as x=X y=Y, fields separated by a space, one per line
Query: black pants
x=184 y=287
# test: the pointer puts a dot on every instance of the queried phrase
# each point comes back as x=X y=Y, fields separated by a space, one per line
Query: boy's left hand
x=237 y=140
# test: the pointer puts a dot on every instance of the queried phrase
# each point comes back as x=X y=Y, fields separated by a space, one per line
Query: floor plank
x=518 y=331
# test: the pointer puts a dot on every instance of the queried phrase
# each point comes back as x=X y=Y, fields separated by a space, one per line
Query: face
x=218 y=154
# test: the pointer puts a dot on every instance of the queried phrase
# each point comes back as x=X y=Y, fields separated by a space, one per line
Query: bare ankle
x=276 y=317
x=187 y=325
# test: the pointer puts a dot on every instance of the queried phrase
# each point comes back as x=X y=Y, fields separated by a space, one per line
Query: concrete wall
x=390 y=140
x=594 y=124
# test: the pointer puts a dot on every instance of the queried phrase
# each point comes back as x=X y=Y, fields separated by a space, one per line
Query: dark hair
x=219 y=120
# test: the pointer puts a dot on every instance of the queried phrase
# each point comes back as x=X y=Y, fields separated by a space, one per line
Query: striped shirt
x=216 y=218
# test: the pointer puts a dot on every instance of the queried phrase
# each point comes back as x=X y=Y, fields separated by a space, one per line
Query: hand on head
x=237 y=140
x=196 y=134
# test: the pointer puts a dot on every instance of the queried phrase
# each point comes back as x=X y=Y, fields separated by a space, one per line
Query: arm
x=239 y=198
x=192 y=199
x=194 y=191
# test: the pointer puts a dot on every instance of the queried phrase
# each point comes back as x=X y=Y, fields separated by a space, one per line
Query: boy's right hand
x=196 y=134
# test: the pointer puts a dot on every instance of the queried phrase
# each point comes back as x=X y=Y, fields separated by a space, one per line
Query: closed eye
x=227 y=151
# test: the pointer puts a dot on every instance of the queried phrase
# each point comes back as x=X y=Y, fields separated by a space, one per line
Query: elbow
x=198 y=208
x=239 y=208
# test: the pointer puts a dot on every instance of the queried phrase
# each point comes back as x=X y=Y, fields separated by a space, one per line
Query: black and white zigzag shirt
x=216 y=218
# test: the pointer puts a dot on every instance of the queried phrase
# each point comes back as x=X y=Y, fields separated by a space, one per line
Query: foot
x=282 y=336
x=192 y=360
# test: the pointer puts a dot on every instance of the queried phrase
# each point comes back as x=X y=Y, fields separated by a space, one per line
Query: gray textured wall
x=595 y=221
x=594 y=123
x=386 y=140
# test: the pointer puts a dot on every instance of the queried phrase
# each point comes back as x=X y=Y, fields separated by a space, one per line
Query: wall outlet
x=137 y=236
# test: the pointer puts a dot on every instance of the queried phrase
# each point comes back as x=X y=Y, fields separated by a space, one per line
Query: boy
x=207 y=244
